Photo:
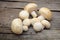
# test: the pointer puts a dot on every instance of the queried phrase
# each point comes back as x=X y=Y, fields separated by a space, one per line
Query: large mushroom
x=46 y=13
x=30 y=7
x=16 y=26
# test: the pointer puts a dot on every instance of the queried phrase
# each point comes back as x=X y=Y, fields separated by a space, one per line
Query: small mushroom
x=34 y=20
x=33 y=13
x=24 y=14
x=38 y=26
x=46 y=23
x=41 y=18
x=26 y=22
x=16 y=26
x=30 y=7
x=25 y=28
x=46 y=13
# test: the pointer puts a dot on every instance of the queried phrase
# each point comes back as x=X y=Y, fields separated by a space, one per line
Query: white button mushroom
x=26 y=22
x=33 y=13
x=46 y=13
x=40 y=18
x=34 y=20
x=30 y=7
x=25 y=28
x=24 y=14
x=46 y=23
x=16 y=26
x=38 y=26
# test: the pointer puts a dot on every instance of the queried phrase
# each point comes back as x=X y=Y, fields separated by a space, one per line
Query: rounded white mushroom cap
x=40 y=18
x=46 y=23
x=33 y=13
x=30 y=7
x=34 y=20
x=26 y=22
x=46 y=13
x=25 y=28
x=24 y=14
x=16 y=26
x=38 y=26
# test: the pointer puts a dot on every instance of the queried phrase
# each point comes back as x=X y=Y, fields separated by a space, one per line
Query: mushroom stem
x=33 y=13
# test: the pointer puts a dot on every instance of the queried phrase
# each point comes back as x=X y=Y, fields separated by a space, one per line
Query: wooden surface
x=9 y=10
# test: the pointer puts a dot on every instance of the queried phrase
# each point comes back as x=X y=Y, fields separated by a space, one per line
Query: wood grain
x=9 y=10
x=7 y=15
x=44 y=35
x=52 y=6
x=36 y=1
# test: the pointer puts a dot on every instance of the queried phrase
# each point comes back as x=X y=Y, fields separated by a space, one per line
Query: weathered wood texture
x=9 y=10
x=51 y=5
x=42 y=1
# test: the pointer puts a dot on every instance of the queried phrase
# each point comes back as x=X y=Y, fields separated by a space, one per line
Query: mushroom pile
x=39 y=19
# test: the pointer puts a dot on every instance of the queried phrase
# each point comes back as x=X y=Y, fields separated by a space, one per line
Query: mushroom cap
x=26 y=22
x=30 y=7
x=25 y=28
x=46 y=13
x=46 y=23
x=24 y=14
x=40 y=18
x=34 y=20
x=38 y=26
x=16 y=26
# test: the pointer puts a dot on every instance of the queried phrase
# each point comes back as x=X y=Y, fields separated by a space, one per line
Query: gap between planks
x=7 y=15
x=42 y=35
x=40 y=1
x=21 y=5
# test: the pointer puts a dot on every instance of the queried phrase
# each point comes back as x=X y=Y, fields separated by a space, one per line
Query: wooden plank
x=52 y=6
x=44 y=35
x=8 y=31
x=40 y=1
x=7 y=15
